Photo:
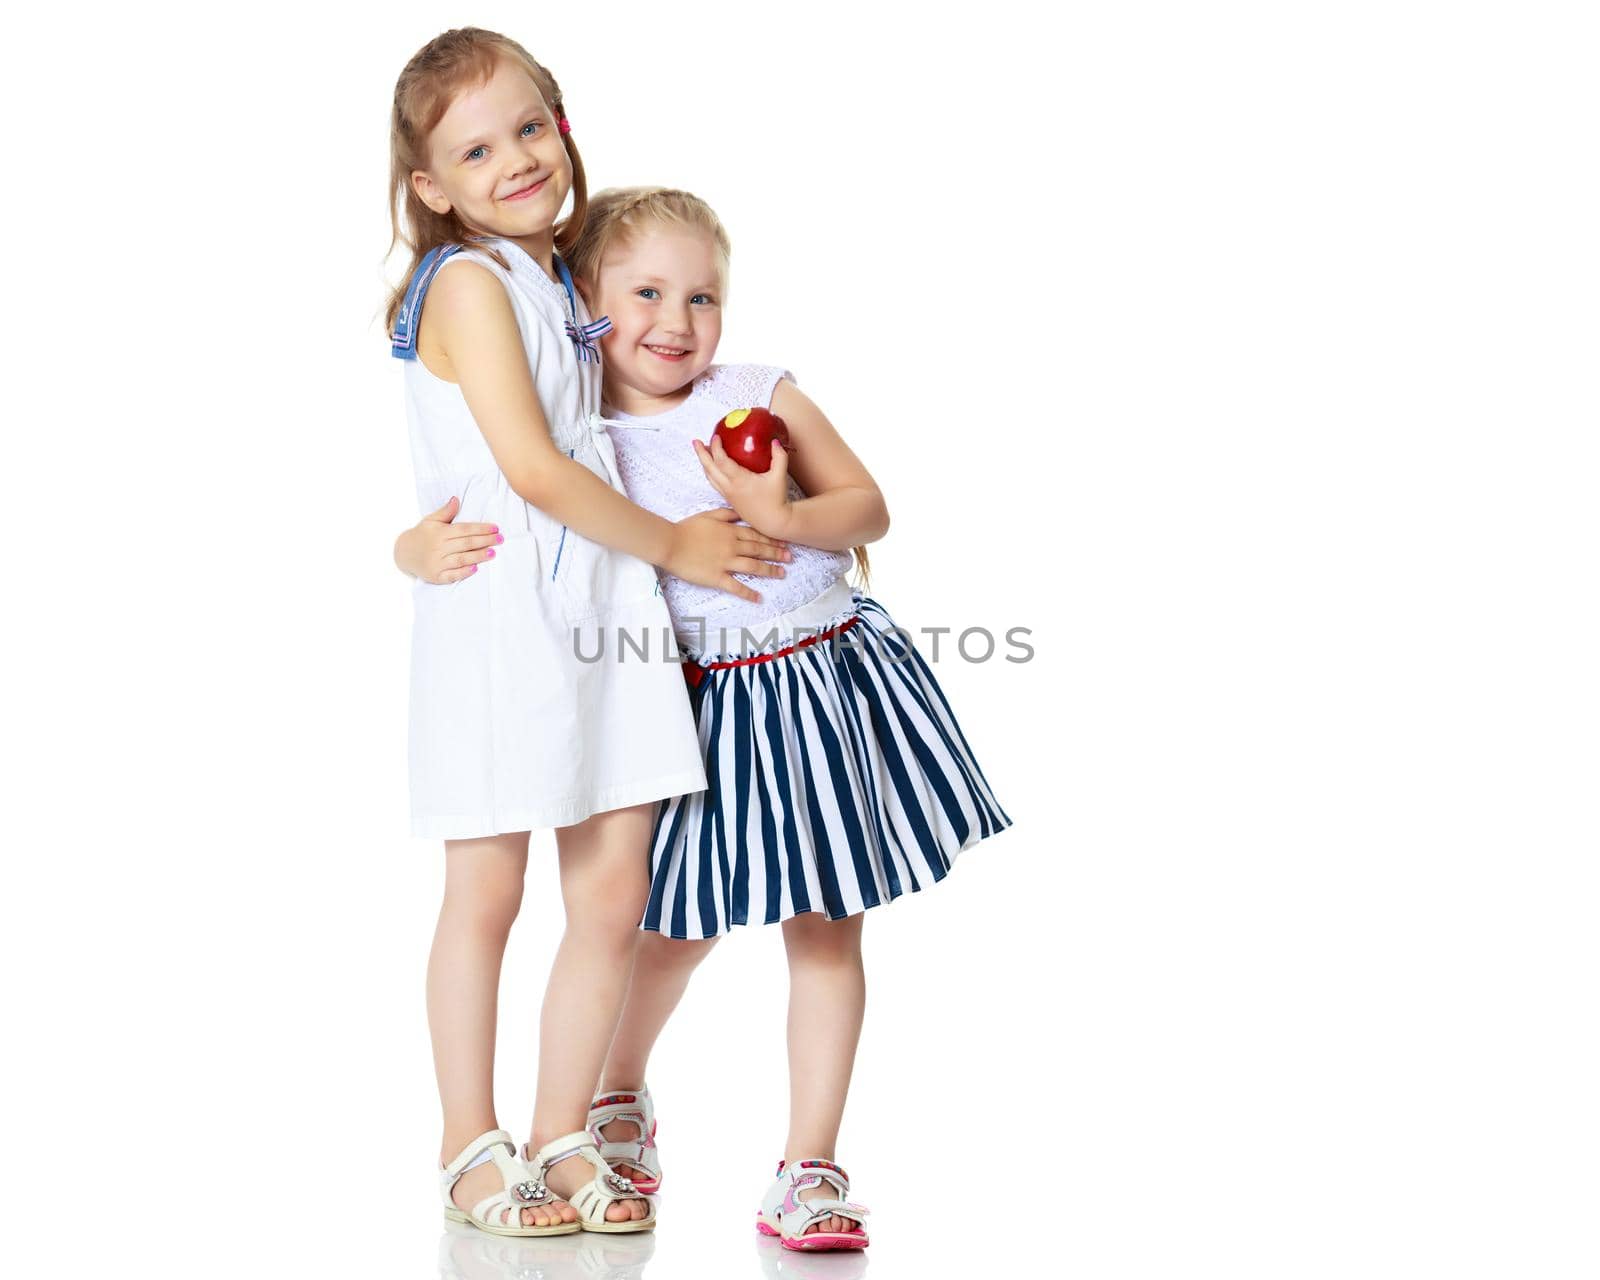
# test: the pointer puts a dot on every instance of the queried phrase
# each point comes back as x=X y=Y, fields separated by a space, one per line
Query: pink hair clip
x=565 y=125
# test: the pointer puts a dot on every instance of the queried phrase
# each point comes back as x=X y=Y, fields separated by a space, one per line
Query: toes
x=626 y=1211
x=549 y=1215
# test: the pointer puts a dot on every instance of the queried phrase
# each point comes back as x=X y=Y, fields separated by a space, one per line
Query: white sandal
x=501 y=1213
x=634 y=1106
x=785 y=1215
x=593 y=1198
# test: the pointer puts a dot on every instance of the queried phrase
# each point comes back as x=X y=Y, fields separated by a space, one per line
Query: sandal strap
x=634 y=1115
x=795 y=1214
x=806 y=1182
x=638 y=1098
x=504 y=1208
x=835 y=1174
x=638 y=1150
x=577 y=1143
x=798 y=1219
x=519 y=1189
x=593 y=1197
x=470 y=1153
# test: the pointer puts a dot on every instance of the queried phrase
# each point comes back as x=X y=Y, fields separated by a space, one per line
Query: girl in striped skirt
x=838 y=778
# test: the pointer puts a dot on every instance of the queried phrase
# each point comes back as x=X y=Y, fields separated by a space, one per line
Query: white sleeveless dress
x=513 y=724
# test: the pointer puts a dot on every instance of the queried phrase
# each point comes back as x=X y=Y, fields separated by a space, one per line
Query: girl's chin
x=662 y=377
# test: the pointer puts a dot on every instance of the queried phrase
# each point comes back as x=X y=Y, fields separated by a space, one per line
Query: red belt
x=694 y=673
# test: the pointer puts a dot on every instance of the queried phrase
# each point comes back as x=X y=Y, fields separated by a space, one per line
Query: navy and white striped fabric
x=833 y=786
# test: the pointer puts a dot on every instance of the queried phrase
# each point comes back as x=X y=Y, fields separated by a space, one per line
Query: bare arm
x=474 y=327
x=844 y=506
x=469 y=335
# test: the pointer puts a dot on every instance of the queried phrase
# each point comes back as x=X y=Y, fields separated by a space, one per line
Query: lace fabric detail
x=752 y=639
x=743 y=386
x=660 y=472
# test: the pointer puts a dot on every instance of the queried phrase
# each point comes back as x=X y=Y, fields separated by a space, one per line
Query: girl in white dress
x=510 y=728
x=838 y=778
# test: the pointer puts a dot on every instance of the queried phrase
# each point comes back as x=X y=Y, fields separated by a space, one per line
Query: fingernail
x=499 y=538
x=489 y=554
x=472 y=568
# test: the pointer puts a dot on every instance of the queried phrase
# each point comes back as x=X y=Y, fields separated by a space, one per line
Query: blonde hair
x=618 y=214
x=436 y=74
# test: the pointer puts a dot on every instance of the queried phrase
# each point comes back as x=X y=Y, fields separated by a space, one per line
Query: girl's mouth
x=670 y=354
x=529 y=191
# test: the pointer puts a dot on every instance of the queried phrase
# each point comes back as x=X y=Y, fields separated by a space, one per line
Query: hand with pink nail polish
x=438 y=550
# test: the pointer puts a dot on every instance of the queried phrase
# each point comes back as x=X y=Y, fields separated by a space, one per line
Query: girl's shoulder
x=742 y=386
x=508 y=263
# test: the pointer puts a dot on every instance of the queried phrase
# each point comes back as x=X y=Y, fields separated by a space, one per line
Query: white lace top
x=659 y=470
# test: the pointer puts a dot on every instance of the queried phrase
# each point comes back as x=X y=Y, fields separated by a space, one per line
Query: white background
x=1245 y=352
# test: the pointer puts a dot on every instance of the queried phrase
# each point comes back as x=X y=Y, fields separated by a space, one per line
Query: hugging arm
x=469 y=329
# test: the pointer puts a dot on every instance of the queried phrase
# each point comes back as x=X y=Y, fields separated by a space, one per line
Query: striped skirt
x=838 y=779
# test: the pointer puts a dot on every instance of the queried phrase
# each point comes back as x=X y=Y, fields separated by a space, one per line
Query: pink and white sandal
x=785 y=1215
x=635 y=1107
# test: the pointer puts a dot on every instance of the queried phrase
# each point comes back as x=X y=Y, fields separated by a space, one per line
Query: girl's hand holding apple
x=760 y=497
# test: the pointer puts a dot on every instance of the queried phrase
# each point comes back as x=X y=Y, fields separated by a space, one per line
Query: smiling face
x=496 y=158
x=662 y=286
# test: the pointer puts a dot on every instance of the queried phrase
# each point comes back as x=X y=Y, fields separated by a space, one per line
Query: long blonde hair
x=437 y=72
x=618 y=214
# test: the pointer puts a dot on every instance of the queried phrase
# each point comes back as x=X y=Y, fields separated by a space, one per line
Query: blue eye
x=703 y=297
x=647 y=292
x=532 y=124
x=475 y=153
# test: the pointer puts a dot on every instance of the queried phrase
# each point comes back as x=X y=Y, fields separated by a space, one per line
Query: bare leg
x=662 y=968
x=827 y=1000
x=604 y=884
x=482 y=893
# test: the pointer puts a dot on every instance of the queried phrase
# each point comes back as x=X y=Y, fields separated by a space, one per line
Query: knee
x=487 y=906
x=608 y=919
x=657 y=951
x=813 y=939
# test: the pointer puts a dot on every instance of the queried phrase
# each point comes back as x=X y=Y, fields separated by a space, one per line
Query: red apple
x=747 y=435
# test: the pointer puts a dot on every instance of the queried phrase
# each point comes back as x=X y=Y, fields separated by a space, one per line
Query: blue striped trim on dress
x=403 y=341
x=833 y=786
x=583 y=336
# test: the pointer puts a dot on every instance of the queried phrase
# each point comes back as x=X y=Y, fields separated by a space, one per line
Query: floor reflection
x=847 y=1264
x=466 y=1253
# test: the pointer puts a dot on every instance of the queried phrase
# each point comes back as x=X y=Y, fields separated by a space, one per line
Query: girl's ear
x=428 y=192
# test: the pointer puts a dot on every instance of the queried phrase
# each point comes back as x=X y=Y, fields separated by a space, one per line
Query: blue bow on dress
x=583 y=339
